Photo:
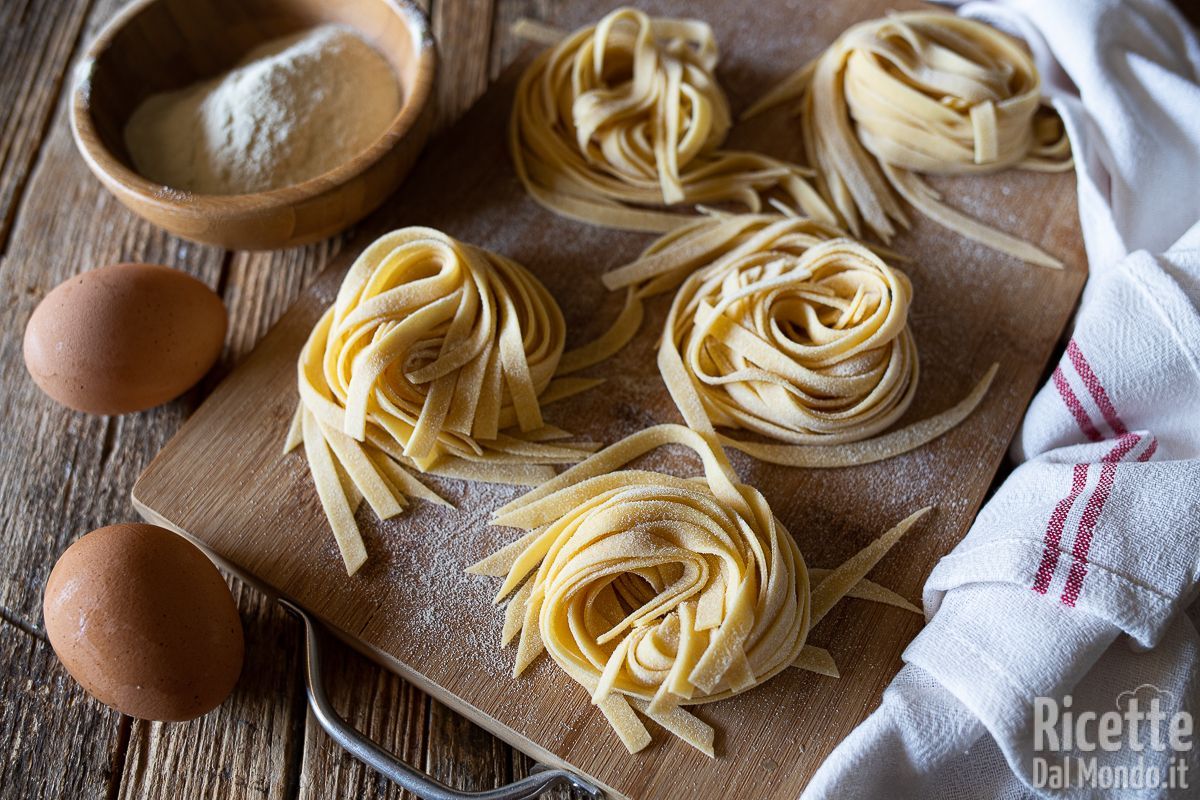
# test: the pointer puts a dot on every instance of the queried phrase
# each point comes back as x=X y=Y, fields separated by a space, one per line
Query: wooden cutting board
x=223 y=482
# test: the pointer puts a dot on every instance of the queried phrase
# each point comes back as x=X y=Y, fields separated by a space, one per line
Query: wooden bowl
x=155 y=46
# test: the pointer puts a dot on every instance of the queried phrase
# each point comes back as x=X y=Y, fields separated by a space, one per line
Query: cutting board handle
x=408 y=777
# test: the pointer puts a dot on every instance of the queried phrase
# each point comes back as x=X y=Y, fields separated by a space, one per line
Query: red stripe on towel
x=1054 y=530
x=1123 y=447
x=1095 y=389
x=1074 y=406
x=1091 y=515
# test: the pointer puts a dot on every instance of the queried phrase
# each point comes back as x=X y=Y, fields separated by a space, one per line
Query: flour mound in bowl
x=294 y=108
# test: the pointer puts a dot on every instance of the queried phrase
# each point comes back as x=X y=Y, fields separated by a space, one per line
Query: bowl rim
x=109 y=168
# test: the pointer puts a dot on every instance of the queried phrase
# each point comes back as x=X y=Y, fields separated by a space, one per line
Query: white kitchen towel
x=1060 y=614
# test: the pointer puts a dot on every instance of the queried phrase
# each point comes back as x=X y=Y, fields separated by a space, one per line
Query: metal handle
x=414 y=780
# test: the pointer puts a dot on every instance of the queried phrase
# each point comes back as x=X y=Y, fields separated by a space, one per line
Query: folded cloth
x=1066 y=595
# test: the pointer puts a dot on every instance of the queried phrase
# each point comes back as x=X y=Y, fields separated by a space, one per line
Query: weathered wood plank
x=464 y=30
x=463 y=755
x=521 y=764
x=36 y=42
x=65 y=473
x=506 y=46
x=259 y=287
x=68 y=472
x=55 y=741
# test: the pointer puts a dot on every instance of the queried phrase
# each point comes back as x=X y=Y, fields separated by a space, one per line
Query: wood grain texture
x=36 y=42
x=506 y=46
x=54 y=740
x=259 y=287
x=464 y=32
x=463 y=755
x=381 y=705
x=65 y=473
x=971 y=307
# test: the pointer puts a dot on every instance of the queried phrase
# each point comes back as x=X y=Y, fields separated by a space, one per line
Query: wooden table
x=63 y=474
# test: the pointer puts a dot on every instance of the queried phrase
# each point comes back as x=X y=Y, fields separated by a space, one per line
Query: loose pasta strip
x=436 y=356
x=618 y=122
x=655 y=592
x=921 y=93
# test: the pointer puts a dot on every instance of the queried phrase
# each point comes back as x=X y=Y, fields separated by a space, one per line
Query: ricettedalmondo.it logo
x=1140 y=744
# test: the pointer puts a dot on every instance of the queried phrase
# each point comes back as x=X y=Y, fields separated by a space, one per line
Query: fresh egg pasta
x=921 y=93
x=809 y=347
x=618 y=122
x=782 y=327
x=436 y=356
x=655 y=592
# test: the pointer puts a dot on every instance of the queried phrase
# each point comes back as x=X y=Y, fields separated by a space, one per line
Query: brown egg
x=124 y=338
x=145 y=623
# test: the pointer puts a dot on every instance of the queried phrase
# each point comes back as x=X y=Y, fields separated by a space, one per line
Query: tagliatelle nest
x=783 y=327
x=655 y=592
x=616 y=122
x=436 y=356
x=921 y=92
x=808 y=347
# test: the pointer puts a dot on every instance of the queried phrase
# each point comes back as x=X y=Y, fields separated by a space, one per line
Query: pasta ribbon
x=783 y=327
x=671 y=258
x=921 y=92
x=436 y=355
x=806 y=348
x=655 y=592
x=620 y=120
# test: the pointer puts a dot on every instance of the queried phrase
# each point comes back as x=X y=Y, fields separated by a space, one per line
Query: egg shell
x=124 y=338
x=145 y=623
